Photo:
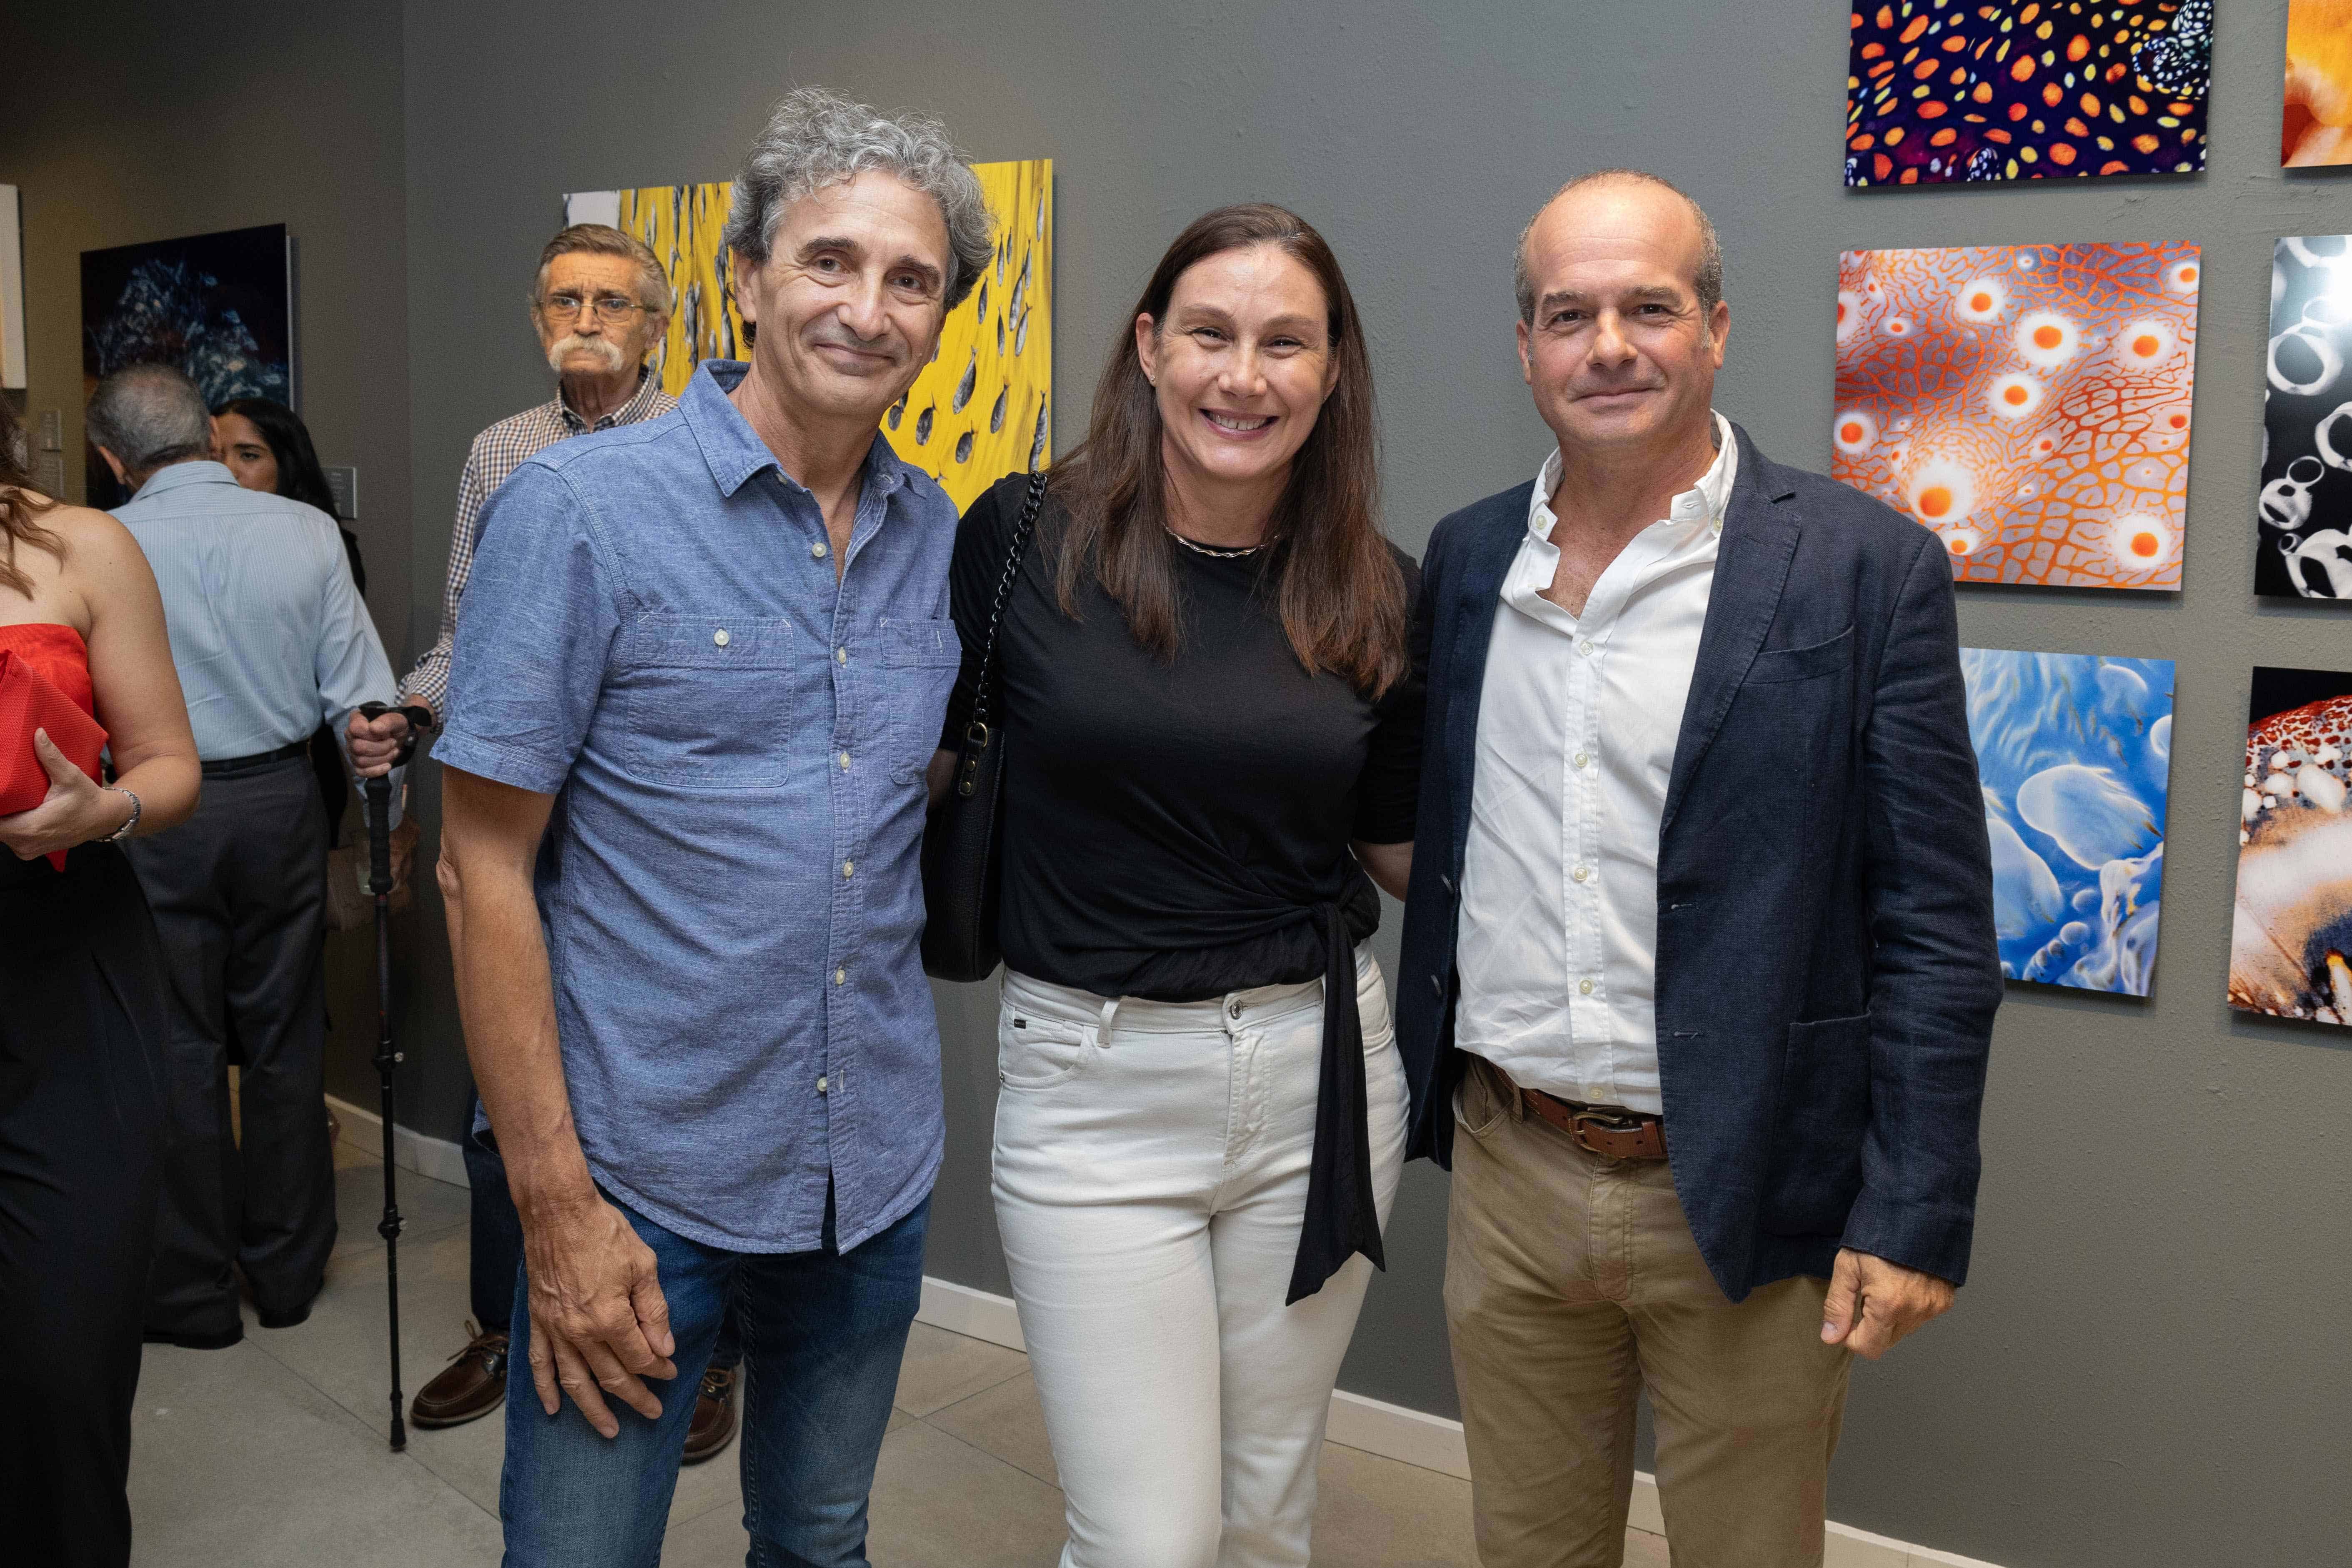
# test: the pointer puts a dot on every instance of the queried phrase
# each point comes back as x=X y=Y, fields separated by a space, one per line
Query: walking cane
x=379 y=820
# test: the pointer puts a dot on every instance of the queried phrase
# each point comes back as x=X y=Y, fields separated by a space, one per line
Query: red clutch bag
x=30 y=701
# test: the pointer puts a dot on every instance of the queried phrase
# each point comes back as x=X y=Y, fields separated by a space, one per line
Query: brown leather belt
x=1610 y=1132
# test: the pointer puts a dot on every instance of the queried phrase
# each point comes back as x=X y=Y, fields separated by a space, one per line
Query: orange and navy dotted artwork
x=1942 y=91
x=2031 y=404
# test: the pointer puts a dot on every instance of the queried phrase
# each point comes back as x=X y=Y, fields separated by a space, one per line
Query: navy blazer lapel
x=1486 y=558
x=1751 y=567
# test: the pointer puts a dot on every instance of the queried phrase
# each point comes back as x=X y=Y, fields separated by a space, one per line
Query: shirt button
x=1232 y=1010
x=844 y=762
x=1581 y=759
x=1585 y=647
x=841 y=656
x=819 y=550
x=822 y=1084
x=840 y=975
x=721 y=637
x=849 y=868
x=1580 y=873
x=1584 y=987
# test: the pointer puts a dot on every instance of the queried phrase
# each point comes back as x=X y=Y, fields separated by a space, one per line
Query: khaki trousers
x=1571 y=1284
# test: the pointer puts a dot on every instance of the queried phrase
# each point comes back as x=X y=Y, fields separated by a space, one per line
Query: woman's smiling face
x=1241 y=364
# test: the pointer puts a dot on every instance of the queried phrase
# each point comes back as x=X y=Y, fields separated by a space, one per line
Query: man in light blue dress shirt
x=699 y=672
x=271 y=639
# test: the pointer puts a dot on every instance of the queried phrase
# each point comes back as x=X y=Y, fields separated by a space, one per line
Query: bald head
x=1623 y=199
x=149 y=417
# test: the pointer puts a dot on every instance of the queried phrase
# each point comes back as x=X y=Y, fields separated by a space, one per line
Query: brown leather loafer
x=473 y=1384
x=713 y=1426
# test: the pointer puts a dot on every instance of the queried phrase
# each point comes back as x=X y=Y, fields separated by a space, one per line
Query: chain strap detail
x=1021 y=532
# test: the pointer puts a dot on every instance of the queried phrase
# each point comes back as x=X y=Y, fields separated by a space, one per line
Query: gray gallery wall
x=141 y=123
x=2148 y=1366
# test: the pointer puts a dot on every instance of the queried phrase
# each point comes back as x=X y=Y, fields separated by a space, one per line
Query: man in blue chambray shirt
x=706 y=659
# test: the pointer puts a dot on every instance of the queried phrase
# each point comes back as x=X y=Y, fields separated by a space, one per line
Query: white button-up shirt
x=1558 y=936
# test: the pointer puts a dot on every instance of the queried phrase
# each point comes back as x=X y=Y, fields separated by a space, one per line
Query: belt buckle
x=1584 y=1125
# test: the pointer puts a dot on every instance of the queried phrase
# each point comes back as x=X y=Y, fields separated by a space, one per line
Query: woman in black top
x=1212 y=745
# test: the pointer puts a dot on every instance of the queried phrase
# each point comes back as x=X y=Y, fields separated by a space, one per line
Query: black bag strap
x=976 y=732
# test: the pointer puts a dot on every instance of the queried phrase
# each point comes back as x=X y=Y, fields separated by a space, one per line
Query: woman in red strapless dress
x=81 y=1022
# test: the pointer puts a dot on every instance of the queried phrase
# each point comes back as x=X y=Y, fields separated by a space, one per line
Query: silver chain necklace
x=1218 y=552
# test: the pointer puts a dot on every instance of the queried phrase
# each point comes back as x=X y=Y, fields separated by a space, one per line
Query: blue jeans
x=823 y=1332
x=497 y=1236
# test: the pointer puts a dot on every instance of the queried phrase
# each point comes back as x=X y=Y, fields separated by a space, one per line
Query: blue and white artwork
x=2075 y=754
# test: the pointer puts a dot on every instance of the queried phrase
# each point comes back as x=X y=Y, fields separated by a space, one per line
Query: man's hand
x=75 y=811
x=376 y=742
x=1873 y=1303
x=598 y=1323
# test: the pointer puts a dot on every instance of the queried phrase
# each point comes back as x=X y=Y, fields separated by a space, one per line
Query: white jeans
x=1151 y=1178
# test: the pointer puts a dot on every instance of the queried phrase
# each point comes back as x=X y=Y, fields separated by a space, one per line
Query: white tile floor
x=272 y=1452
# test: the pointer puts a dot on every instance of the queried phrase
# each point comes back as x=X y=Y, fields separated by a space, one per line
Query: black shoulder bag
x=963 y=842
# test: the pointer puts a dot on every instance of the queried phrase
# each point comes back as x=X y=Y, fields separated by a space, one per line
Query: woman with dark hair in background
x=81 y=1021
x=266 y=446
x=1213 y=733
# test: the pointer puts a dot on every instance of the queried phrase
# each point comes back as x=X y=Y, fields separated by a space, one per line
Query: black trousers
x=81 y=1148
x=239 y=895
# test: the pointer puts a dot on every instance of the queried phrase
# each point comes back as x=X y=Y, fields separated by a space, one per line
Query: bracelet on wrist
x=130 y=824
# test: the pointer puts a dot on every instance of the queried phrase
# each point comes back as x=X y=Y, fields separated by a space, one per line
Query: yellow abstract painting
x=982 y=409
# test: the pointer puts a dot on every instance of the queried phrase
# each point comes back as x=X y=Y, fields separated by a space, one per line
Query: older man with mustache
x=600 y=303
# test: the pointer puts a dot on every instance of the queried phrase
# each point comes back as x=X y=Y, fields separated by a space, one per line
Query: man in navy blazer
x=1699 y=973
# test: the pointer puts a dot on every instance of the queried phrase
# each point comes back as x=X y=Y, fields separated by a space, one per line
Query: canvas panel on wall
x=2316 y=126
x=2303 y=518
x=1940 y=90
x=2031 y=404
x=218 y=306
x=2291 y=933
x=12 y=292
x=2074 y=755
x=980 y=410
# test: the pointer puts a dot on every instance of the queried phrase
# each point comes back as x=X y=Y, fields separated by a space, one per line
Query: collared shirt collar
x=1706 y=500
x=734 y=450
x=629 y=413
x=172 y=476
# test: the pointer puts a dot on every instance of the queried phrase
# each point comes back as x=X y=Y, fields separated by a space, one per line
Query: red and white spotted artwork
x=2031 y=404
x=2291 y=932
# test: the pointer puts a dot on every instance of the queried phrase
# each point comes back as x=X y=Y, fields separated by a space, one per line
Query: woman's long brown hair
x=1336 y=584
x=20 y=508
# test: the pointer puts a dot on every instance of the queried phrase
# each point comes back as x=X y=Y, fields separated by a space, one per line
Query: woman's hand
x=75 y=811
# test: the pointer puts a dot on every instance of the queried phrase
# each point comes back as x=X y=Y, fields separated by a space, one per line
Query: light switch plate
x=49 y=474
x=53 y=438
x=344 y=485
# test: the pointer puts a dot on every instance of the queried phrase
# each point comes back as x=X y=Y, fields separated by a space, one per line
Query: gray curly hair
x=814 y=138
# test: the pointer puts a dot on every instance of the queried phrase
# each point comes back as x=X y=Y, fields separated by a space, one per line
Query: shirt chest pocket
x=919 y=660
x=714 y=701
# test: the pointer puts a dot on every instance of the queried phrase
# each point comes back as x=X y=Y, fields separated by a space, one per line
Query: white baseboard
x=1414 y=1436
x=975 y=1314
x=436 y=1157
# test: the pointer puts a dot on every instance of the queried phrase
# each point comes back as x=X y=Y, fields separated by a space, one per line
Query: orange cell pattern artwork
x=2031 y=404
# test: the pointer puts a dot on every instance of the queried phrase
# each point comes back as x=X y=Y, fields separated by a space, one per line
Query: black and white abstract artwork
x=2305 y=514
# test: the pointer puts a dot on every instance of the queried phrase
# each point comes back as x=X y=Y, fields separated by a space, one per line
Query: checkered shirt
x=497 y=453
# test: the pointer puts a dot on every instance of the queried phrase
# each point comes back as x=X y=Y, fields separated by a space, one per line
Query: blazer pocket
x=1774 y=666
x=1815 y=1167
